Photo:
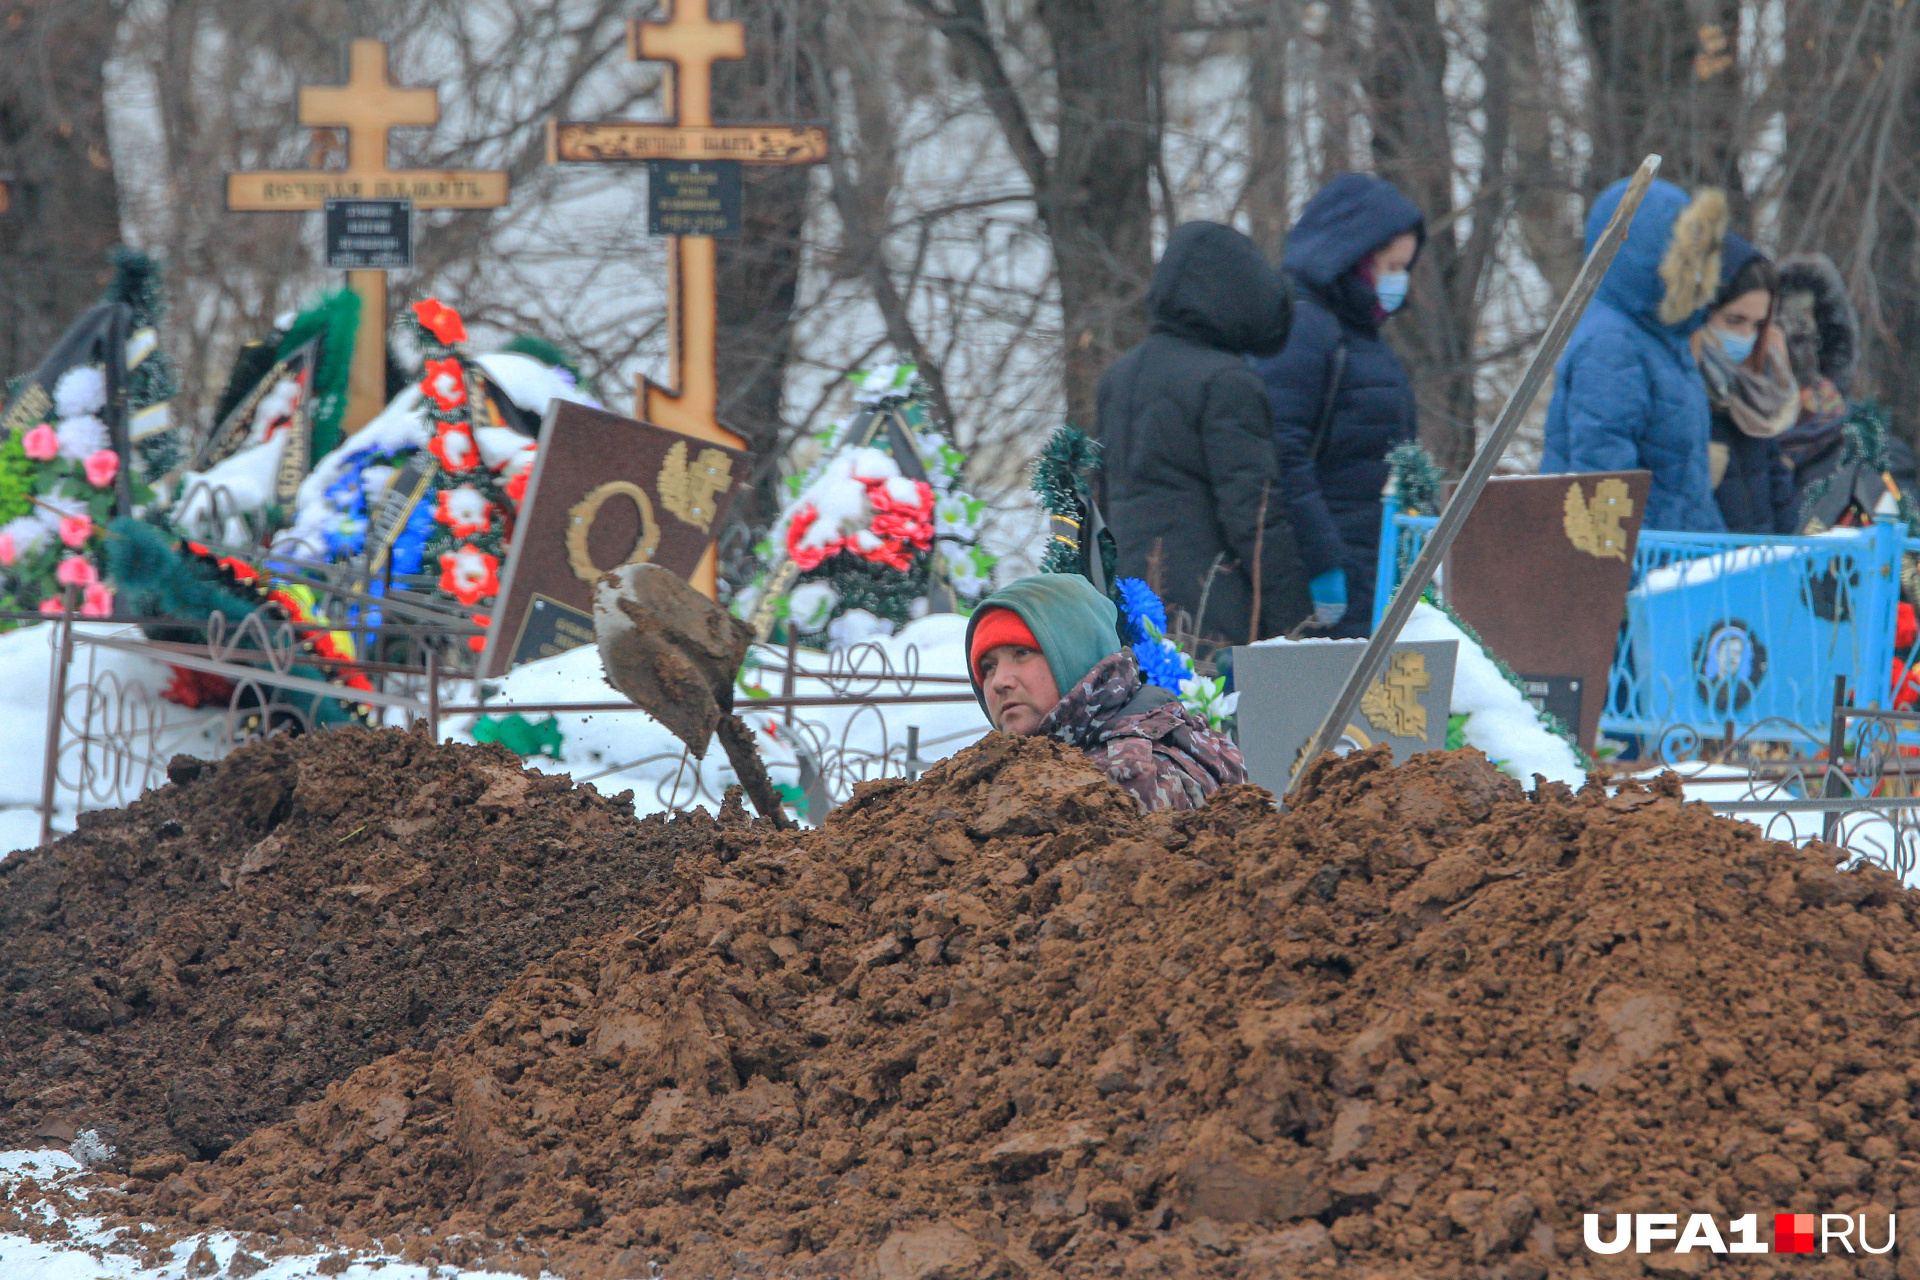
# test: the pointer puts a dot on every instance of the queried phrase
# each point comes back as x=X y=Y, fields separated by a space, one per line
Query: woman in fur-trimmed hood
x=1831 y=473
x=1627 y=393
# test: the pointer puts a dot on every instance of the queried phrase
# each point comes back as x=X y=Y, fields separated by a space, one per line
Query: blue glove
x=1329 y=595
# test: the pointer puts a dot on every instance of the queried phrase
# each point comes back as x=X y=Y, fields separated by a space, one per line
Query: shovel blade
x=667 y=648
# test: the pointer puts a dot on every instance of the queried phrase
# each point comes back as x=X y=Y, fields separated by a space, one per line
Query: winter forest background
x=1003 y=173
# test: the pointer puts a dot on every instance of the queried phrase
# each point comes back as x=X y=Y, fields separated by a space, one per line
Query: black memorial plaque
x=549 y=629
x=1557 y=695
x=369 y=235
x=693 y=198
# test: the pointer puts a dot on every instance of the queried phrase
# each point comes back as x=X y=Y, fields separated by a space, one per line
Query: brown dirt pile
x=997 y=1023
x=182 y=971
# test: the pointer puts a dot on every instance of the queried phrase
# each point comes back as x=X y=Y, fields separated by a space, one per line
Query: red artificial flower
x=806 y=557
x=463 y=509
x=196 y=689
x=516 y=488
x=900 y=521
x=455 y=448
x=479 y=643
x=469 y=575
x=440 y=320
x=445 y=384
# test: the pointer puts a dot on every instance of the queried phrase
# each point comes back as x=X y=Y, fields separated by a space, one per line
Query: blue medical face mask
x=1736 y=347
x=1391 y=289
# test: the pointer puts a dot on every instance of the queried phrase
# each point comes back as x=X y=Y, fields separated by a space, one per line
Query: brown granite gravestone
x=1541 y=571
x=605 y=491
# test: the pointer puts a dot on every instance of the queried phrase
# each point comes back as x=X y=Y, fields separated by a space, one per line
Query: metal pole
x=433 y=692
x=1455 y=516
x=56 y=710
x=1836 y=784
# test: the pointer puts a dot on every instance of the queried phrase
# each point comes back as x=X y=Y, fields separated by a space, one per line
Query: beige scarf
x=1762 y=403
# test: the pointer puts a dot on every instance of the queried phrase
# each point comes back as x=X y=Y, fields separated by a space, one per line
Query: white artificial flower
x=810 y=605
x=82 y=437
x=951 y=518
x=81 y=390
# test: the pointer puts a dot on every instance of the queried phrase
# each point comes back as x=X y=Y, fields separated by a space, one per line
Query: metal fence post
x=56 y=709
x=1836 y=748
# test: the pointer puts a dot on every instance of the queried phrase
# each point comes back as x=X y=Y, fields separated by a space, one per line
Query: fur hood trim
x=1691 y=266
x=1834 y=317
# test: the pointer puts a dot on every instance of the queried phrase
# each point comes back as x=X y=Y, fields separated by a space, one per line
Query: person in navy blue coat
x=1341 y=397
x=1750 y=385
x=1627 y=393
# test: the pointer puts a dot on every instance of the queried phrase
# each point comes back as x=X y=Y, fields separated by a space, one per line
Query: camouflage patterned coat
x=1140 y=736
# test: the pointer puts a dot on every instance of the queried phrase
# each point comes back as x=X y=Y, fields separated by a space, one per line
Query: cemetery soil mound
x=997 y=1023
x=182 y=971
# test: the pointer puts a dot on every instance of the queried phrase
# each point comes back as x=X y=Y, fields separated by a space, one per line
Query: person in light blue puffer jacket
x=1627 y=393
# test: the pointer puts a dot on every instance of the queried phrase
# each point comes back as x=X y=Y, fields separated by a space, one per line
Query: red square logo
x=1794 y=1232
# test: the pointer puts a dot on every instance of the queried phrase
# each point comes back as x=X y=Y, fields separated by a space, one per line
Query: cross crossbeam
x=368 y=106
x=690 y=42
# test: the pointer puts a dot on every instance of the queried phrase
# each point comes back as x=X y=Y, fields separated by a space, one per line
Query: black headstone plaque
x=693 y=198
x=369 y=235
x=1559 y=695
x=551 y=628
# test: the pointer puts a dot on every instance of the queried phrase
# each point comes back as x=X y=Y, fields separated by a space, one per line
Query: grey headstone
x=1287 y=689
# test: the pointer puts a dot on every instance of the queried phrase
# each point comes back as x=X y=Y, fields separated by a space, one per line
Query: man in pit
x=1035 y=637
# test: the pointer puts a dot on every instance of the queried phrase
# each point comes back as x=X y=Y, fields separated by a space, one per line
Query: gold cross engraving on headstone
x=1393 y=702
x=690 y=42
x=367 y=106
x=1595 y=527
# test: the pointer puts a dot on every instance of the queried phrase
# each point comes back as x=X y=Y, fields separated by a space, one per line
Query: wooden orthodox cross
x=691 y=42
x=367 y=106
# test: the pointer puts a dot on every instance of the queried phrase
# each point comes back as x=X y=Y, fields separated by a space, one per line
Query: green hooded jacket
x=1075 y=625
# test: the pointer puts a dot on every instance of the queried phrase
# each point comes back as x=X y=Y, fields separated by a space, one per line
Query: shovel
x=675 y=654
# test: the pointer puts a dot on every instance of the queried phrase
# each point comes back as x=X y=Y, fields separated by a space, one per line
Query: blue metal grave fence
x=1731 y=636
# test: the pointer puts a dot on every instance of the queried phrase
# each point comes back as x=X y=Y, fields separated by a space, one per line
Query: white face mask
x=1391 y=289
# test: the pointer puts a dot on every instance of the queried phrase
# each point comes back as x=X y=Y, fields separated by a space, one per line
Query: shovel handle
x=751 y=770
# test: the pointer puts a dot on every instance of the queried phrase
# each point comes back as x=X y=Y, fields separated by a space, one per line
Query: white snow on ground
x=84 y=1255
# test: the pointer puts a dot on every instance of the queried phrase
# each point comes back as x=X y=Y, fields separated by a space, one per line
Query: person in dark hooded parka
x=1341 y=397
x=1192 y=484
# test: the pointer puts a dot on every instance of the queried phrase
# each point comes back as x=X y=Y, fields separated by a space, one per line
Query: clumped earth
x=997 y=1023
x=185 y=970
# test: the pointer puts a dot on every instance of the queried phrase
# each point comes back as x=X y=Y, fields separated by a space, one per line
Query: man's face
x=1019 y=687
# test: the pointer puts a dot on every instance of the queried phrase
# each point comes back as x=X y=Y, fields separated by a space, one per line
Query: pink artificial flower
x=98 y=603
x=102 y=465
x=75 y=530
x=76 y=571
x=53 y=606
x=8 y=553
x=42 y=444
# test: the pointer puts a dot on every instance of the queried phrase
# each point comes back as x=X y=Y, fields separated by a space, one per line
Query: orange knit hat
x=996 y=627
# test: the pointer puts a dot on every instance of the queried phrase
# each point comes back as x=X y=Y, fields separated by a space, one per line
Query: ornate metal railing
x=1733 y=637
x=109 y=735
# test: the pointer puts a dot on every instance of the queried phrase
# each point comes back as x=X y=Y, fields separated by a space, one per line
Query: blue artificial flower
x=411 y=546
x=1141 y=605
x=1162 y=664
